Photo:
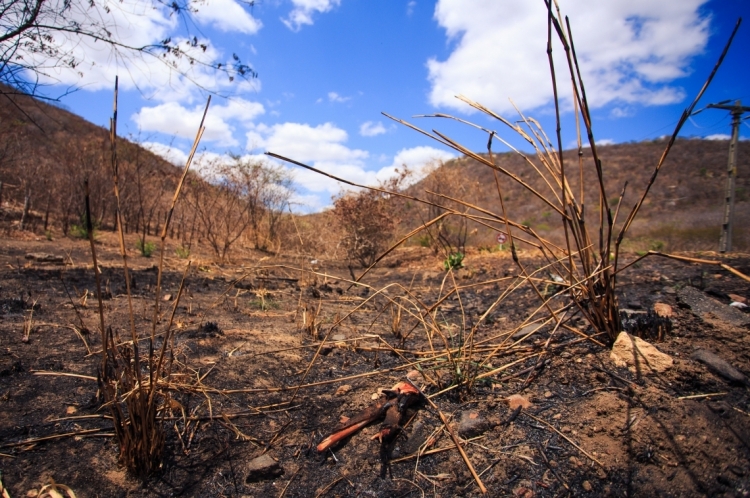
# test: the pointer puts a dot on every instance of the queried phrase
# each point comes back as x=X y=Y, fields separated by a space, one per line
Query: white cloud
x=335 y=97
x=371 y=129
x=304 y=10
x=226 y=15
x=324 y=147
x=321 y=146
x=172 y=118
x=717 y=136
x=418 y=159
x=410 y=8
x=630 y=51
x=167 y=152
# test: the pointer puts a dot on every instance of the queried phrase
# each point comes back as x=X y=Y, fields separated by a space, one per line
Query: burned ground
x=592 y=428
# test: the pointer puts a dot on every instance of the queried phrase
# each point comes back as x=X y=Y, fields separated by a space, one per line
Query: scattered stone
x=574 y=461
x=638 y=355
x=548 y=394
x=262 y=468
x=167 y=297
x=700 y=304
x=419 y=435
x=737 y=299
x=343 y=390
x=472 y=424
x=738 y=471
x=41 y=257
x=586 y=486
x=719 y=366
x=663 y=310
x=738 y=305
x=528 y=329
x=523 y=490
x=516 y=400
x=338 y=337
x=414 y=376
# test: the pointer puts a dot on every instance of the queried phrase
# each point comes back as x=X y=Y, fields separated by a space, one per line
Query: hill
x=683 y=210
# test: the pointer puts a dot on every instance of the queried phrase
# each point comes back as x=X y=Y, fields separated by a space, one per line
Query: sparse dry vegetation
x=261 y=342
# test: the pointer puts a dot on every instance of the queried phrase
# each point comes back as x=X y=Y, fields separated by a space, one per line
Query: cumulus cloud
x=371 y=129
x=418 y=159
x=303 y=11
x=172 y=118
x=631 y=51
x=322 y=146
x=167 y=152
x=335 y=97
x=717 y=136
x=226 y=15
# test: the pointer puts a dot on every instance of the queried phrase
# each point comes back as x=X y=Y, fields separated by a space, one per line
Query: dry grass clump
x=135 y=382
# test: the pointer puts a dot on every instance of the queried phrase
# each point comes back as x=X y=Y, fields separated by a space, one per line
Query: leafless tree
x=243 y=194
x=31 y=31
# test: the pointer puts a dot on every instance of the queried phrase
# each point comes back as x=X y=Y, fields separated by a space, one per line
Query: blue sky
x=327 y=68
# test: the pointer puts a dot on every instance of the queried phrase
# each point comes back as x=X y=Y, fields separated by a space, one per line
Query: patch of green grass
x=146 y=248
x=182 y=252
x=453 y=261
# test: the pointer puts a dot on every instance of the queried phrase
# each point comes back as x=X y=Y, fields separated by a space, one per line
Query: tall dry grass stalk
x=135 y=383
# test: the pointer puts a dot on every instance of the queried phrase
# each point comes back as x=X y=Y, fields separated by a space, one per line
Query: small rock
x=639 y=355
x=548 y=394
x=516 y=400
x=719 y=366
x=663 y=310
x=417 y=438
x=738 y=471
x=574 y=461
x=523 y=490
x=472 y=424
x=557 y=416
x=71 y=410
x=586 y=486
x=343 y=390
x=262 y=468
x=414 y=376
x=738 y=299
x=167 y=297
x=701 y=304
x=338 y=337
x=528 y=329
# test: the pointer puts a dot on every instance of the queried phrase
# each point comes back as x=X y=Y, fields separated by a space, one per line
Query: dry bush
x=368 y=219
